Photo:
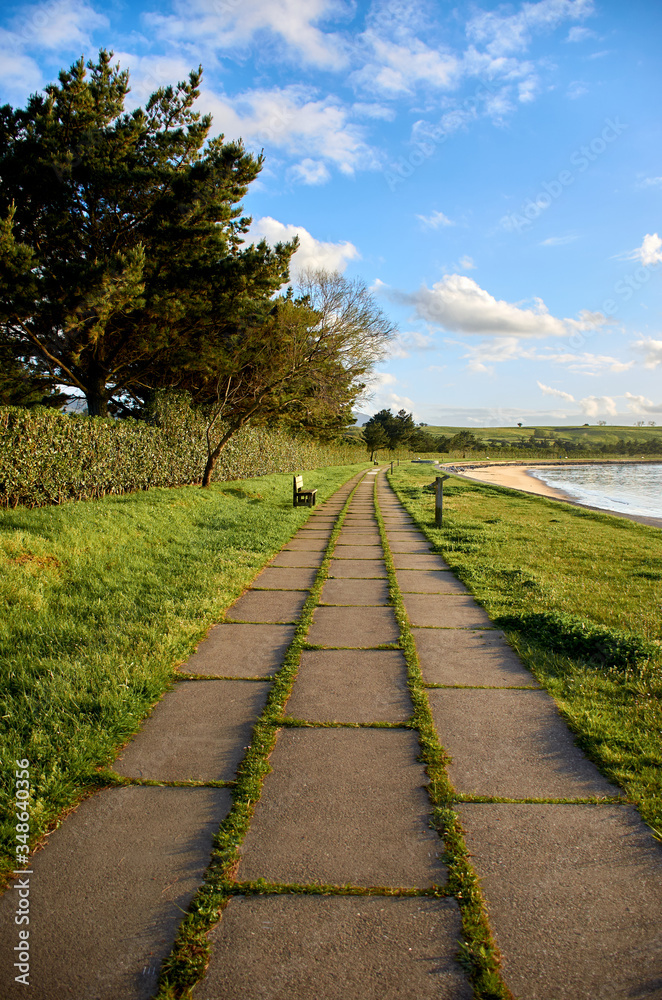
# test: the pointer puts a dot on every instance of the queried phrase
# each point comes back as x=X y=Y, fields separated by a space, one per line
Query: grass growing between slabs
x=101 y=600
x=478 y=953
x=580 y=597
x=189 y=958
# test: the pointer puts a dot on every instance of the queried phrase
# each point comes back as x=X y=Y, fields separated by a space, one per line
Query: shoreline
x=518 y=476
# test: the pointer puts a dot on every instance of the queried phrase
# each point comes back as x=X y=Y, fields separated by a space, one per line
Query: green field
x=579 y=595
x=101 y=600
x=589 y=436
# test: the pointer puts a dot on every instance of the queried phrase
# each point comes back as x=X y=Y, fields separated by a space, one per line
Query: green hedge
x=48 y=457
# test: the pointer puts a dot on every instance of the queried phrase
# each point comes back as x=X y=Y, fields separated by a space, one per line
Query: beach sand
x=519 y=477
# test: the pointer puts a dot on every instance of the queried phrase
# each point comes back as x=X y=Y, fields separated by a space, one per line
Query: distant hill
x=592 y=435
x=361 y=419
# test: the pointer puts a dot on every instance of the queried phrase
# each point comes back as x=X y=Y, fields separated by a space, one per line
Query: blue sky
x=491 y=171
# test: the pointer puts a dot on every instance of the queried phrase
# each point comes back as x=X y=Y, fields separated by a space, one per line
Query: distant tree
x=302 y=361
x=398 y=428
x=121 y=233
x=519 y=424
x=464 y=440
x=375 y=437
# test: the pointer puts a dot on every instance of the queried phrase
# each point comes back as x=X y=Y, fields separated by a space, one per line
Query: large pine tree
x=121 y=234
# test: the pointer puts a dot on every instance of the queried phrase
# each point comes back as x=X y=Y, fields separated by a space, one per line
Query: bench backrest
x=298 y=483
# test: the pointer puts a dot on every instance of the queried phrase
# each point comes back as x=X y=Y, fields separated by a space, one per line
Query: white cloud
x=576 y=89
x=65 y=25
x=292 y=119
x=19 y=74
x=457 y=303
x=558 y=241
x=651 y=350
x=650 y=251
x=312 y=253
x=593 y=406
x=505 y=33
x=498 y=350
x=650 y=182
x=547 y=390
x=148 y=73
x=310 y=172
x=397 y=67
x=467 y=263
x=580 y=34
x=639 y=404
x=435 y=220
x=375 y=111
x=380 y=395
x=233 y=24
x=411 y=341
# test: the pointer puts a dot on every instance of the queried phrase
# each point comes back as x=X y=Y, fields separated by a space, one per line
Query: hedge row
x=48 y=457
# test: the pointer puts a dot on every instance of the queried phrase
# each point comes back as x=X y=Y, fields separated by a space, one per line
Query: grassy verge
x=478 y=953
x=101 y=600
x=579 y=595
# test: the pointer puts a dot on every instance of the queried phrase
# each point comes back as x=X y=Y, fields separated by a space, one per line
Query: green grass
x=101 y=600
x=580 y=596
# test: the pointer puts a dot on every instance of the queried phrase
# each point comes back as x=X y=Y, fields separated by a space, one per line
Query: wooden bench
x=301 y=497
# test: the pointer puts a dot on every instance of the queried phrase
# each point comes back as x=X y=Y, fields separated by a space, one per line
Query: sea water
x=627 y=487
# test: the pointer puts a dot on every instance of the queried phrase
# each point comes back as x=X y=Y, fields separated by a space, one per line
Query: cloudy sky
x=491 y=171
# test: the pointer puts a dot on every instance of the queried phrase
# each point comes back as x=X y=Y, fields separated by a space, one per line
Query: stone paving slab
x=305 y=543
x=298 y=558
x=241 y=651
x=310 y=532
x=512 y=744
x=412 y=560
x=405 y=535
x=421 y=547
x=335 y=948
x=358 y=552
x=573 y=894
x=197 y=732
x=459 y=656
x=357 y=568
x=357 y=685
x=349 y=537
x=445 y=611
x=267 y=606
x=109 y=891
x=355 y=592
x=353 y=628
x=344 y=806
x=429 y=581
x=282 y=578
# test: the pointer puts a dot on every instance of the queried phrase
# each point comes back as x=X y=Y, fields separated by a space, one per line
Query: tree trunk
x=212 y=456
x=97 y=399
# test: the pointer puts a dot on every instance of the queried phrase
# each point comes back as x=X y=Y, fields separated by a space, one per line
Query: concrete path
x=573 y=888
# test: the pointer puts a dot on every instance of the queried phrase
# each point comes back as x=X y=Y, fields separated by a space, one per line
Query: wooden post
x=391 y=468
x=439 y=500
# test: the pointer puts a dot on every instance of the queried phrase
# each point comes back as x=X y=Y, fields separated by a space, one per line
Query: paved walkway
x=574 y=890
